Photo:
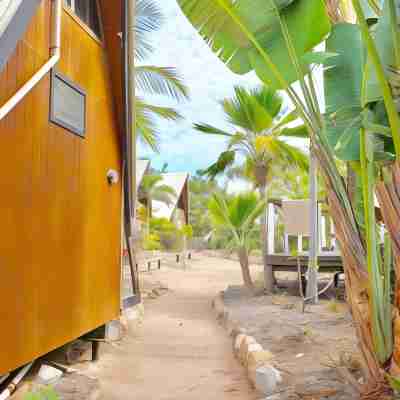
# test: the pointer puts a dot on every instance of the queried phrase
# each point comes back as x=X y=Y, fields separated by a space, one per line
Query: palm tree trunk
x=244 y=265
x=269 y=279
x=148 y=212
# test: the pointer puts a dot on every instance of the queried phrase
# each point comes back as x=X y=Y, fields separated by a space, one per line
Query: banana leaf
x=384 y=42
x=226 y=25
x=342 y=88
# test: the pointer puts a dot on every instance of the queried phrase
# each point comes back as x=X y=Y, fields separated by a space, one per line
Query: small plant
x=44 y=394
x=333 y=306
x=152 y=242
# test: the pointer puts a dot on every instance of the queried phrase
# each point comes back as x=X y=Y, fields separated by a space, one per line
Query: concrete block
x=267 y=378
x=48 y=375
x=114 y=331
x=244 y=348
x=258 y=358
x=237 y=343
x=251 y=348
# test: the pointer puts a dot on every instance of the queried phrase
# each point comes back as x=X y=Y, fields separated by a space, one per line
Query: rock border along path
x=255 y=359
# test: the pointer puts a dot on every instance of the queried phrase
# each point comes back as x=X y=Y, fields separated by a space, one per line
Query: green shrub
x=152 y=242
x=170 y=236
x=44 y=394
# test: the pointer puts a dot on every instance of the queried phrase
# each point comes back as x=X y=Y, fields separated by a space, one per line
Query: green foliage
x=44 y=394
x=342 y=84
x=238 y=215
x=153 y=188
x=258 y=131
x=187 y=231
x=394 y=383
x=362 y=119
x=236 y=29
x=152 y=242
x=167 y=232
x=200 y=190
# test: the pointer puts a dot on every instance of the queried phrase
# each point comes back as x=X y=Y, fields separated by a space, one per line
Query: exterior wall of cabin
x=60 y=221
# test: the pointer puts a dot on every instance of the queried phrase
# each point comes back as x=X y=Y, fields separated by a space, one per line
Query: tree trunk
x=354 y=255
x=357 y=284
x=148 y=220
x=244 y=265
x=269 y=279
x=388 y=194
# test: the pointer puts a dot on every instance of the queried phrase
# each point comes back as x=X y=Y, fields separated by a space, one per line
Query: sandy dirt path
x=179 y=352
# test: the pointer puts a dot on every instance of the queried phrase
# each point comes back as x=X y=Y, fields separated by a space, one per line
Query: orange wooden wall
x=59 y=218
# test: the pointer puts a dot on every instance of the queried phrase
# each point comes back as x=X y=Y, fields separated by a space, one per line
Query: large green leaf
x=307 y=21
x=384 y=43
x=308 y=24
x=342 y=85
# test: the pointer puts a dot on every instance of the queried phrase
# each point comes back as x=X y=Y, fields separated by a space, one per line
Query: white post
x=300 y=244
x=286 y=246
x=312 y=285
x=271 y=229
x=322 y=230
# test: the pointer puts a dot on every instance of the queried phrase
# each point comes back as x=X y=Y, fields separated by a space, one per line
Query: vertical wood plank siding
x=59 y=218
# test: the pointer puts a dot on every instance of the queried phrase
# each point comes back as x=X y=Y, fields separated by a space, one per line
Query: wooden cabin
x=66 y=167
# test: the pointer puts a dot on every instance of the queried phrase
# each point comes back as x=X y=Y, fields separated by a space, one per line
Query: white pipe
x=39 y=75
x=15 y=382
x=4 y=378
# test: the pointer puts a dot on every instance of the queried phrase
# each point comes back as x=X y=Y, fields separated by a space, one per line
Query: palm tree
x=259 y=125
x=152 y=189
x=153 y=80
x=238 y=215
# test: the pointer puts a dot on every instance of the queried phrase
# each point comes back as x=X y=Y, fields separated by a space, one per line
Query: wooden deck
x=328 y=263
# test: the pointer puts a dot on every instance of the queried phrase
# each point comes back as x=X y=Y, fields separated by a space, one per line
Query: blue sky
x=178 y=45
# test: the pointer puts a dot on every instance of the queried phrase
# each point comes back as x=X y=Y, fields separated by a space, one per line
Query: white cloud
x=178 y=45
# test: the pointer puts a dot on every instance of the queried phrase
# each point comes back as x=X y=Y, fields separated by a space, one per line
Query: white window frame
x=73 y=9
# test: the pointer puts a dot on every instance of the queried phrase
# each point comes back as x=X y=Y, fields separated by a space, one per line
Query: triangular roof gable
x=177 y=181
x=142 y=167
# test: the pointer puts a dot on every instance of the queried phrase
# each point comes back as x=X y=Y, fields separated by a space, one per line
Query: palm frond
x=162 y=196
x=211 y=130
x=299 y=131
x=150 y=181
x=145 y=126
x=161 y=81
x=166 y=113
x=253 y=110
x=225 y=160
x=219 y=213
x=241 y=207
x=292 y=154
x=287 y=118
x=149 y=18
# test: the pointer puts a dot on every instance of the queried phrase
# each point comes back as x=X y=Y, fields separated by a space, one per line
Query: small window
x=87 y=11
x=68 y=104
